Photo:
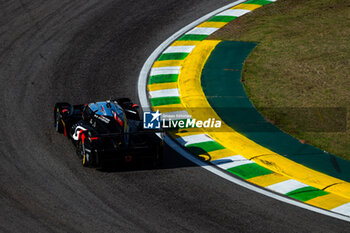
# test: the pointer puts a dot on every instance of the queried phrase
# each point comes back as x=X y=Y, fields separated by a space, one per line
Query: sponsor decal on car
x=102 y=118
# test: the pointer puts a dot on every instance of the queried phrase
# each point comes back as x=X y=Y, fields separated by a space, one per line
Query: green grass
x=302 y=61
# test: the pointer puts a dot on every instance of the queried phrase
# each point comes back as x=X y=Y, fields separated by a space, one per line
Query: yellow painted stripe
x=161 y=86
x=167 y=63
x=169 y=108
x=343 y=187
x=212 y=24
x=193 y=98
x=269 y=179
x=218 y=154
x=185 y=42
x=328 y=202
x=247 y=6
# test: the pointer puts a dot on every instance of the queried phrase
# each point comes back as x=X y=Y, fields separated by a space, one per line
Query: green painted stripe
x=306 y=193
x=258 y=2
x=163 y=78
x=222 y=18
x=193 y=37
x=250 y=170
x=172 y=56
x=165 y=100
x=204 y=147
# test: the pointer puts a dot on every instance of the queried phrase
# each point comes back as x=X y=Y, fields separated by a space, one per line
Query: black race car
x=107 y=130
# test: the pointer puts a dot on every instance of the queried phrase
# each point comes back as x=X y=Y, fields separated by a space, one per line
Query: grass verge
x=300 y=66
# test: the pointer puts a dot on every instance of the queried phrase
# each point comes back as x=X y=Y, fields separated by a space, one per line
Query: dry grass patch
x=303 y=60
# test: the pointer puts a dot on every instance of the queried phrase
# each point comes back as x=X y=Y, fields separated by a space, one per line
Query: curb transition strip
x=165 y=68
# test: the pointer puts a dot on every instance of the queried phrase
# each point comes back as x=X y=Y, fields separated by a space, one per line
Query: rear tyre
x=83 y=155
x=58 y=120
x=57 y=115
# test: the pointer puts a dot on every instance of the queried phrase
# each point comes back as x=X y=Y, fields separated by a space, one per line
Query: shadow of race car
x=108 y=131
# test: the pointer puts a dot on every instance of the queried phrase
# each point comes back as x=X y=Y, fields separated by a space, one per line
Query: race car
x=106 y=131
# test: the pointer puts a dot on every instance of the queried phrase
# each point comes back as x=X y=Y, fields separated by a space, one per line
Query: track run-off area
x=83 y=51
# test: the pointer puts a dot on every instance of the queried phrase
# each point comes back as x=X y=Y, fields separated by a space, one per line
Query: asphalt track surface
x=81 y=51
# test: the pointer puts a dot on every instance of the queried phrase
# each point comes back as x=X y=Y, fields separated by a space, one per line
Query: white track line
x=142 y=93
x=286 y=186
x=202 y=31
x=164 y=93
x=192 y=139
x=180 y=49
x=232 y=161
x=165 y=70
x=343 y=209
x=234 y=12
x=229 y=158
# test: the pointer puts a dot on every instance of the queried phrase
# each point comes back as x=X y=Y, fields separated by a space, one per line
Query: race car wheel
x=84 y=156
x=58 y=121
